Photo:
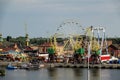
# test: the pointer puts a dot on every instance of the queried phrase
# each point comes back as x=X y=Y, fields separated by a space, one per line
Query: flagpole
x=88 y=72
x=98 y=29
x=103 y=38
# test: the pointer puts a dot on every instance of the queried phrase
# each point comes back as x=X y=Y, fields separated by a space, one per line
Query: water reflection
x=62 y=74
x=80 y=74
x=72 y=74
x=95 y=74
x=52 y=73
x=67 y=74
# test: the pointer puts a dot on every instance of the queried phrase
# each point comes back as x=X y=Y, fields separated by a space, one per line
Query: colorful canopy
x=98 y=52
x=80 y=51
x=50 y=50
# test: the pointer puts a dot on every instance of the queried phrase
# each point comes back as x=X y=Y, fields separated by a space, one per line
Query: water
x=62 y=74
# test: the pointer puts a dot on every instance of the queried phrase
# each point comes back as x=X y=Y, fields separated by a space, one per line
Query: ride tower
x=26 y=36
x=97 y=43
x=1 y=39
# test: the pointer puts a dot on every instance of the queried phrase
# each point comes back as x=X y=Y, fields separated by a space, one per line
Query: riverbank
x=66 y=65
x=103 y=66
x=4 y=64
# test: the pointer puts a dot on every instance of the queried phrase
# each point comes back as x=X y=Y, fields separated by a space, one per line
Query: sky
x=44 y=17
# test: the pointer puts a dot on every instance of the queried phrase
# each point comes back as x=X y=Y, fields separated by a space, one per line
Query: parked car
x=113 y=60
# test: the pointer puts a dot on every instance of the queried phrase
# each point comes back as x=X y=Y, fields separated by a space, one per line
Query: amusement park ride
x=74 y=43
x=27 y=36
x=1 y=39
x=97 y=46
x=71 y=39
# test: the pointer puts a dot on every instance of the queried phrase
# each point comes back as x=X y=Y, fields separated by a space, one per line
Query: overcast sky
x=43 y=17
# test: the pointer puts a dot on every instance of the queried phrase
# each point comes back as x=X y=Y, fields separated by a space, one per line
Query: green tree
x=8 y=38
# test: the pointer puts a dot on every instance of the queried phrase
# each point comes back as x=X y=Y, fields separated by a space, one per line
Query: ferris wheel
x=70 y=27
x=71 y=31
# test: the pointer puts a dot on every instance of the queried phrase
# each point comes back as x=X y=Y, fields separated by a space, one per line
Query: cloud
x=26 y=1
x=117 y=4
x=80 y=6
x=3 y=4
x=39 y=12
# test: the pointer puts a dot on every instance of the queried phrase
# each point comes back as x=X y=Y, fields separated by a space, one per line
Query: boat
x=30 y=66
x=41 y=66
x=11 y=67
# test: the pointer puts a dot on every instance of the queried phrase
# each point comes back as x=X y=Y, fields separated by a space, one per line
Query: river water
x=62 y=74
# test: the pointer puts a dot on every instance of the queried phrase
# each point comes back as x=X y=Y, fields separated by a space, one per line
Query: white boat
x=11 y=67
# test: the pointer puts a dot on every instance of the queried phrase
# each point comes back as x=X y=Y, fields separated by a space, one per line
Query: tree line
x=21 y=41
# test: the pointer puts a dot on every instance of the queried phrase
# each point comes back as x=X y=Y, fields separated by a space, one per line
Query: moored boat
x=11 y=67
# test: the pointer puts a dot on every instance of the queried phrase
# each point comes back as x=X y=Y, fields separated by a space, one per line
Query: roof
x=13 y=47
x=45 y=45
x=28 y=48
x=115 y=46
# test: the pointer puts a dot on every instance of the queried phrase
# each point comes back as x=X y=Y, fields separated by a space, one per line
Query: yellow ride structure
x=94 y=44
x=26 y=36
x=1 y=39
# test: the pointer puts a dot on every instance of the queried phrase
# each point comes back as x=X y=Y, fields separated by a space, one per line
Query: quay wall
x=102 y=66
x=67 y=65
x=4 y=64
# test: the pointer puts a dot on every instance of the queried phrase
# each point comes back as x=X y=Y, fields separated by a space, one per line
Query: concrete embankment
x=103 y=66
x=67 y=65
x=4 y=64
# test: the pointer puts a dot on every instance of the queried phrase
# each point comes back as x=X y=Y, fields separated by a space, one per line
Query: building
x=114 y=50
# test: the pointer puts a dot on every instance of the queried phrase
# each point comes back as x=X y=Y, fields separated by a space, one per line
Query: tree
x=8 y=38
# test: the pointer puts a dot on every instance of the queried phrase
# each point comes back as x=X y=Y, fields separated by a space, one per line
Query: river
x=62 y=74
